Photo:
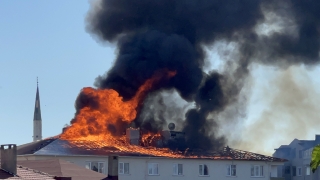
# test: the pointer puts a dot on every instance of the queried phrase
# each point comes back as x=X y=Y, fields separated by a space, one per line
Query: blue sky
x=47 y=39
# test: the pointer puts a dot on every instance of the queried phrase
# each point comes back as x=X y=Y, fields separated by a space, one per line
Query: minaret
x=37 y=121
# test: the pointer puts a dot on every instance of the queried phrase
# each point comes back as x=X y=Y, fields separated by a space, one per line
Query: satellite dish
x=171 y=126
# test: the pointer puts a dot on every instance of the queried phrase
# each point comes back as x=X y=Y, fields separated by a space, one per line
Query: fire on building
x=161 y=45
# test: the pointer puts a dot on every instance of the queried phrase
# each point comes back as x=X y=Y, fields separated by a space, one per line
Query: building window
x=299 y=171
x=177 y=169
x=287 y=170
x=203 y=170
x=294 y=171
x=300 y=154
x=256 y=171
x=123 y=168
x=153 y=168
x=231 y=170
x=95 y=166
x=307 y=170
x=294 y=153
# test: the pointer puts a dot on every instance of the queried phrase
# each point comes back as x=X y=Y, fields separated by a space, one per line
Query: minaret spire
x=37 y=121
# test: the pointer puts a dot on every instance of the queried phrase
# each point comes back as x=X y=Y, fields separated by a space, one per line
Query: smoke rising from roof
x=292 y=112
x=152 y=35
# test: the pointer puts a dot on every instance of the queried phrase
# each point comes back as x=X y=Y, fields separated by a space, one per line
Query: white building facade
x=221 y=165
x=145 y=168
x=162 y=168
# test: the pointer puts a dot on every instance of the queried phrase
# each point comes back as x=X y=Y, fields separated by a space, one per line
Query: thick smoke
x=160 y=109
x=152 y=35
x=292 y=111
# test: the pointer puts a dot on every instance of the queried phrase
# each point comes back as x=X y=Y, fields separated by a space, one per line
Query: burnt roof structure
x=246 y=155
x=56 y=146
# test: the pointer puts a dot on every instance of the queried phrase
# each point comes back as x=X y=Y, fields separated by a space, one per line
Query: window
x=307 y=170
x=287 y=170
x=231 y=170
x=95 y=166
x=299 y=171
x=123 y=168
x=256 y=171
x=177 y=169
x=305 y=154
x=300 y=154
x=294 y=171
x=203 y=170
x=153 y=169
x=293 y=155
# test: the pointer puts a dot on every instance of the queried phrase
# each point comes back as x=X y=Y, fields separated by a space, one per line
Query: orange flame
x=111 y=108
x=89 y=129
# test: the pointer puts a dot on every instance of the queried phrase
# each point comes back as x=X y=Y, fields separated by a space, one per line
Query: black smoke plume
x=152 y=35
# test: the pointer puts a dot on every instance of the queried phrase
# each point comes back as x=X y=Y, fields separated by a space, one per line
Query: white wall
x=138 y=168
x=274 y=171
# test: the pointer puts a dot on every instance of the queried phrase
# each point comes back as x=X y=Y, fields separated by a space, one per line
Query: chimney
x=113 y=167
x=9 y=158
x=66 y=126
x=133 y=136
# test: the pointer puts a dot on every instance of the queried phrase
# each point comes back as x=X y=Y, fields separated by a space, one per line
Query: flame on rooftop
x=90 y=131
x=109 y=108
x=91 y=124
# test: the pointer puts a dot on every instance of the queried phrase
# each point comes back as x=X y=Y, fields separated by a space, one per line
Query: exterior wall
x=138 y=169
x=297 y=161
x=78 y=160
x=274 y=171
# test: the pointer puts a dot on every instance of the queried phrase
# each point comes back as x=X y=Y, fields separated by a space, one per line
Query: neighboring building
x=10 y=170
x=37 y=121
x=298 y=154
x=117 y=164
x=42 y=169
x=61 y=168
x=25 y=173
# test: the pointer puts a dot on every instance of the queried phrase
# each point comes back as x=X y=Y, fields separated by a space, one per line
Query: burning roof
x=56 y=146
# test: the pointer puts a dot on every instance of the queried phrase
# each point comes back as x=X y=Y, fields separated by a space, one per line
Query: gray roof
x=56 y=146
x=306 y=144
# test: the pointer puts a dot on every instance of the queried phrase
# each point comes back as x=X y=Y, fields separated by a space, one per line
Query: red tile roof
x=25 y=173
x=61 y=168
